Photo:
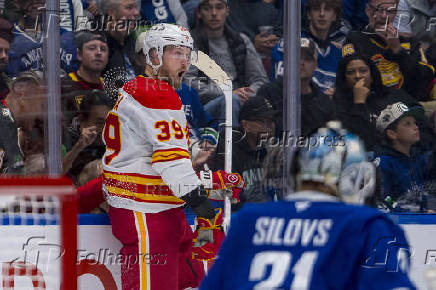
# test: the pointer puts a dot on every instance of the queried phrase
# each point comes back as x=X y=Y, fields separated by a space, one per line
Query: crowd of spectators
x=369 y=64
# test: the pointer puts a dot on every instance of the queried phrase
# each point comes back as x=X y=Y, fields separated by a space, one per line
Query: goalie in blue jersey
x=320 y=237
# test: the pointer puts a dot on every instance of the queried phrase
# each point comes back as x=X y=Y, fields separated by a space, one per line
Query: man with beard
x=148 y=175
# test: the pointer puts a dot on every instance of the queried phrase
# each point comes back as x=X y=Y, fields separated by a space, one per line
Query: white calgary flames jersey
x=147 y=166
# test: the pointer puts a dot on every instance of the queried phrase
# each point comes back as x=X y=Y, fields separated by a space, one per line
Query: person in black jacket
x=360 y=96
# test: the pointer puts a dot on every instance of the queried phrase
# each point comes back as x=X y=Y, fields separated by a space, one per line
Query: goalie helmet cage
x=58 y=210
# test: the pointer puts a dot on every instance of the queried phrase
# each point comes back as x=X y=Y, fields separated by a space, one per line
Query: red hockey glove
x=219 y=180
x=208 y=237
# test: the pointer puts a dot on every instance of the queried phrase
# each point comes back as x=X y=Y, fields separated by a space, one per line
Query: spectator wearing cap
x=26 y=50
x=316 y=107
x=6 y=38
x=400 y=60
x=403 y=166
x=360 y=96
x=323 y=19
x=121 y=22
x=257 y=125
x=92 y=54
x=21 y=124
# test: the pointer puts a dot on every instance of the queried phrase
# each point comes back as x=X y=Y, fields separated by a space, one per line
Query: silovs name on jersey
x=290 y=232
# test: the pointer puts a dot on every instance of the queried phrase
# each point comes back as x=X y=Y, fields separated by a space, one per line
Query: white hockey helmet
x=336 y=158
x=163 y=34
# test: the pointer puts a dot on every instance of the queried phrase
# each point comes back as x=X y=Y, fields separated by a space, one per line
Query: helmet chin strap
x=154 y=67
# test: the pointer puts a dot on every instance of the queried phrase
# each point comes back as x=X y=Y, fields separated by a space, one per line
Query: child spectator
x=403 y=166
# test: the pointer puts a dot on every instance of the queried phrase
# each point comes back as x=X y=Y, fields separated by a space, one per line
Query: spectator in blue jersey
x=316 y=107
x=323 y=20
x=6 y=38
x=167 y=11
x=92 y=54
x=400 y=59
x=121 y=21
x=403 y=166
x=231 y=50
x=26 y=50
x=257 y=121
x=270 y=246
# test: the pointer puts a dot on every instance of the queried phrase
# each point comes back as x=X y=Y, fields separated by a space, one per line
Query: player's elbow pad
x=197 y=200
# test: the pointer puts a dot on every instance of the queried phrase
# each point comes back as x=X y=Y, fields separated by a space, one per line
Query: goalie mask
x=163 y=34
x=336 y=158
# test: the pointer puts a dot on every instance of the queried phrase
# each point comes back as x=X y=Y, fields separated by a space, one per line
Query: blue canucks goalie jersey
x=313 y=241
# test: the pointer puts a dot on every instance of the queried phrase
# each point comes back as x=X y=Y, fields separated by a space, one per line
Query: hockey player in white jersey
x=148 y=174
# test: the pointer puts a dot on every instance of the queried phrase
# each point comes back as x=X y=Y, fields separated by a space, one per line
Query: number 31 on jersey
x=280 y=262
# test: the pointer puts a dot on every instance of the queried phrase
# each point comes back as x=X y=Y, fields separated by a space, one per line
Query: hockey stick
x=216 y=73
